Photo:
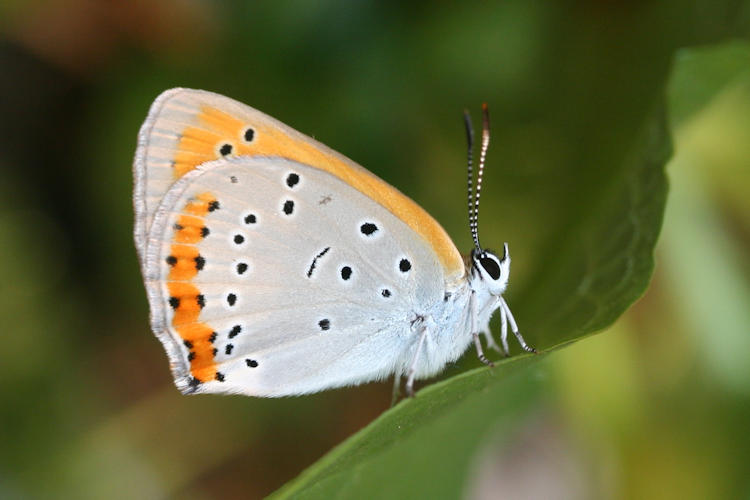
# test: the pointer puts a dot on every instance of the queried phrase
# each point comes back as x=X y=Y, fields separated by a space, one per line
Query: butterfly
x=275 y=266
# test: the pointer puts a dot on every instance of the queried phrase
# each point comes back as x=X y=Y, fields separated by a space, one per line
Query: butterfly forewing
x=270 y=277
x=186 y=128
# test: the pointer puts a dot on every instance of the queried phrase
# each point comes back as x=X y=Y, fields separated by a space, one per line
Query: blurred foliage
x=656 y=407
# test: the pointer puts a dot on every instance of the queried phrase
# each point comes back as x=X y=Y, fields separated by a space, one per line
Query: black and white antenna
x=475 y=193
x=470 y=181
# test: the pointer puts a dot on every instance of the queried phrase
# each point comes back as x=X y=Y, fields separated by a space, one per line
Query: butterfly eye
x=491 y=266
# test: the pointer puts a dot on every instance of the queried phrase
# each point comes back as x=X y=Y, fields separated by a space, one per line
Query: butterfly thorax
x=466 y=309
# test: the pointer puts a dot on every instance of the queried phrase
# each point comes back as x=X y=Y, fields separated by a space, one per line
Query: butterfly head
x=490 y=271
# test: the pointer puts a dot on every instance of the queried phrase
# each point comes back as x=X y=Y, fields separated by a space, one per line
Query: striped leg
x=514 y=328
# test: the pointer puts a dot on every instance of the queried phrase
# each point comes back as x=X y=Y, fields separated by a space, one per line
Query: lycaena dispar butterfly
x=275 y=266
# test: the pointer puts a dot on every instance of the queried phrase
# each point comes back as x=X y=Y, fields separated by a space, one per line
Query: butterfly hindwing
x=270 y=277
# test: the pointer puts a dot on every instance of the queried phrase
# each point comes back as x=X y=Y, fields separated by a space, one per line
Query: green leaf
x=420 y=448
x=700 y=73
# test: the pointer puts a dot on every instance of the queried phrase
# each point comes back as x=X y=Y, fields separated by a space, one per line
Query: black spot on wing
x=288 y=207
x=199 y=262
x=404 y=265
x=236 y=329
x=315 y=261
x=368 y=228
x=346 y=273
x=292 y=180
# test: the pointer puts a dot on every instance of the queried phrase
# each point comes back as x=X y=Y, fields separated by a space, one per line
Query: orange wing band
x=185 y=298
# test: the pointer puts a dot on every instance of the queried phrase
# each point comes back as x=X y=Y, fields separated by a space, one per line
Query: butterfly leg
x=396 y=388
x=423 y=331
x=504 y=331
x=514 y=328
x=494 y=305
x=480 y=352
x=475 y=335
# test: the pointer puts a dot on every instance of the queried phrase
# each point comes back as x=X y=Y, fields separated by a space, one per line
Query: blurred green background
x=657 y=406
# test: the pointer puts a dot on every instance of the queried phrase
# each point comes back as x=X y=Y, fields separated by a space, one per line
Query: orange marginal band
x=185 y=261
x=184 y=297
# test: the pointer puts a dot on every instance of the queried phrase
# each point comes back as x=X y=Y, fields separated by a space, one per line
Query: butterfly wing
x=186 y=128
x=270 y=277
